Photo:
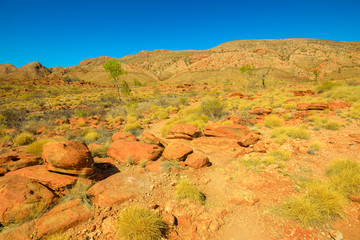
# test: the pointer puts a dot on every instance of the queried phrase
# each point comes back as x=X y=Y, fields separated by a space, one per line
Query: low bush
x=136 y=223
x=273 y=121
x=213 y=108
x=186 y=189
x=23 y=139
x=281 y=133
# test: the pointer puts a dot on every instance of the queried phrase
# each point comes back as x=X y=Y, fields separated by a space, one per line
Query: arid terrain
x=252 y=139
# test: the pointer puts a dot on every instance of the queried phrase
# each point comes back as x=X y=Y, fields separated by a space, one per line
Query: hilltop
x=289 y=59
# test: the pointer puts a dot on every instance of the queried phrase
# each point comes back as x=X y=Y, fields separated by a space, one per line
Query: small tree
x=113 y=66
x=246 y=69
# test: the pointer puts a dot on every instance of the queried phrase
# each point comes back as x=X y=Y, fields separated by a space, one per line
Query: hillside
x=288 y=59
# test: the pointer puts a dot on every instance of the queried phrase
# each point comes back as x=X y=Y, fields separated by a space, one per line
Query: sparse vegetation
x=136 y=223
x=213 y=108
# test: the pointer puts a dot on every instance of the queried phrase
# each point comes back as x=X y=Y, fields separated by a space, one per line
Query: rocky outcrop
x=122 y=135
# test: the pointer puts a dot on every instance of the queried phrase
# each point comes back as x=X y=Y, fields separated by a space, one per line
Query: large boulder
x=124 y=150
x=196 y=160
x=183 y=131
x=21 y=199
x=68 y=157
x=177 y=151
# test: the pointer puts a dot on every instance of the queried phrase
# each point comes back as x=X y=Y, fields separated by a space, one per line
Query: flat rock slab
x=53 y=180
x=22 y=198
x=15 y=160
x=22 y=232
x=123 y=151
x=119 y=188
x=62 y=217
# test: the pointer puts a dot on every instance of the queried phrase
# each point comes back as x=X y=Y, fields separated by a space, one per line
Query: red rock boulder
x=122 y=135
x=260 y=111
x=123 y=151
x=177 y=151
x=318 y=106
x=22 y=198
x=183 y=131
x=196 y=160
x=150 y=138
x=68 y=157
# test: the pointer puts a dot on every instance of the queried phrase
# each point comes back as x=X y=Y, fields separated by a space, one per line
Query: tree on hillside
x=262 y=74
x=246 y=69
x=255 y=73
x=113 y=67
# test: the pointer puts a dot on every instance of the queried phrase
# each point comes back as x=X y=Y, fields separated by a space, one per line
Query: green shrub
x=344 y=176
x=37 y=146
x=273 y=121
x=23 y=139
x=316 y=206
x=136 y=223
x=213 y=108
x=186 y=189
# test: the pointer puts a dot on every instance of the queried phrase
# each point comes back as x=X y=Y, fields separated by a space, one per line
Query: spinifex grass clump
x=23 y=139
x=273 y=121
x=186 y=189
x=136 y=223
x=344 y=177
x=37 y=146
x=317 y=205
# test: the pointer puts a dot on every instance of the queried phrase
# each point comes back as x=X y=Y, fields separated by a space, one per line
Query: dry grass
x=344 y=176
x=136 y=223
x=23 y=139
x=37 y=146
x=186 y=189
x=317 y=205
x=273 y=121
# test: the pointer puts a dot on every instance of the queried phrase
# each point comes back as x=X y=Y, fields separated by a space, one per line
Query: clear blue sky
x=62 y=33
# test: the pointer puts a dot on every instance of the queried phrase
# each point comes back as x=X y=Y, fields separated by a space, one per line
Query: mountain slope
x=288 y=59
